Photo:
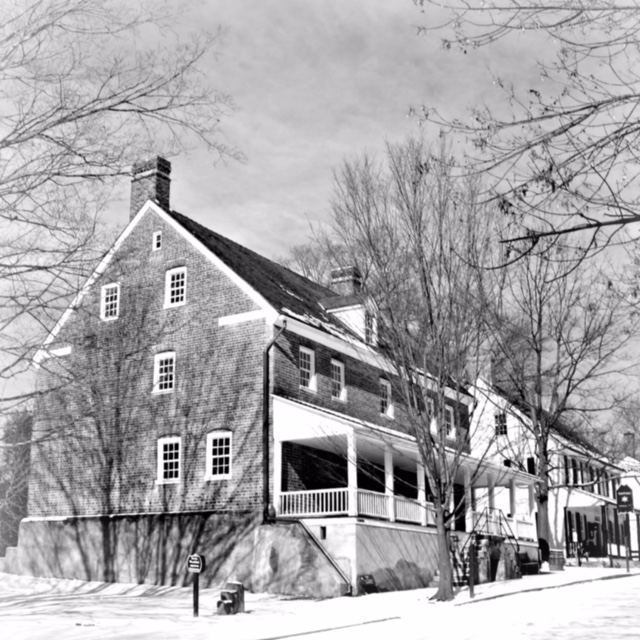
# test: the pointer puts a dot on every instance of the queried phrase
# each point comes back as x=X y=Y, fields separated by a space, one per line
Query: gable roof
x=288 y=292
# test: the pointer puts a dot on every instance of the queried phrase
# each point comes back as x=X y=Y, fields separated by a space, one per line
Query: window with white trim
x=307 y=365
x=164 y=372
x=338 y=388
x=449 y=420
x=218 y=463
x=175 y=287
x=370 y=328
x=386 y=403
x=501 y=423
x=169 y=460
x=157 y=241
x=110 y=301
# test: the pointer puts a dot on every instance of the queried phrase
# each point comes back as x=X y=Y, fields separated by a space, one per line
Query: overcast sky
x=315 y=81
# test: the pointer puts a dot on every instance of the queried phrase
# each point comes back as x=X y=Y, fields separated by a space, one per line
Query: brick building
x=199 y=397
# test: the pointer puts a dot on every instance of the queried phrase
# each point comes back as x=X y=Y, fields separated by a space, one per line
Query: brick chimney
x=630 y=443
x=346 y=281
x=150 y=181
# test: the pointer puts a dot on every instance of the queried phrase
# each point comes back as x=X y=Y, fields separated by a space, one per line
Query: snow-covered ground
x=36 y=608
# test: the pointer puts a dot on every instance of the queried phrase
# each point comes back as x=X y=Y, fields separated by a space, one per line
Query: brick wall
x=362 y=382
x=100 y=422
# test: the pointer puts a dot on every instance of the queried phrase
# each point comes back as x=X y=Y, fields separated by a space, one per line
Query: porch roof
x=321 y=428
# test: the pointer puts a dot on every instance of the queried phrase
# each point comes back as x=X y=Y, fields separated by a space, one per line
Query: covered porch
x=327 y=464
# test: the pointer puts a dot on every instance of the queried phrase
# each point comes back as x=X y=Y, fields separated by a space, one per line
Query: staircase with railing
x=488 y=523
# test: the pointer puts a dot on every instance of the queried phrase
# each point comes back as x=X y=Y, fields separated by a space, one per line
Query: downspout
x=267 y=507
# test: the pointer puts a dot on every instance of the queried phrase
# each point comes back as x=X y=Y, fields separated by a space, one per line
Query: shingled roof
x=288 y=292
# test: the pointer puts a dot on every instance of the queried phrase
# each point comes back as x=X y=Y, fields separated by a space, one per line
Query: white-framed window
x=218 y=463
x=386 y=402
x=164 y=372
x=110 y=301
x=169 y=452
x=175 y=287
x=307 y=365
x=449 y=420
x=370 y=328
x=157 y=241
x=501 y=423
x=431 y=408
x=338 y=388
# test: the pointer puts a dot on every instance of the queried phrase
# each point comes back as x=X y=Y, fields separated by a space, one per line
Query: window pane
x=177 y=287
x=305 y=368
x=220 y=455
x=110 y=302
x=171 y=460
x=165 y=373
x=336 y=380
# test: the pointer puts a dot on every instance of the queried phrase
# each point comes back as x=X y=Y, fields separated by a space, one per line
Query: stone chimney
x=346 y=281
x=150 y=181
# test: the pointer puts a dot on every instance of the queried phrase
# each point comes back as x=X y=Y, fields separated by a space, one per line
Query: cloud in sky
x=314 y=82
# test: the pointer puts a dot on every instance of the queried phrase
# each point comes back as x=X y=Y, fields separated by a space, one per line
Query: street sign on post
x=195 y=565
x=624 y=498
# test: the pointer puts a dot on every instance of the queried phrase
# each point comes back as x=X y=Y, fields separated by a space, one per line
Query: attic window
x=157 y=241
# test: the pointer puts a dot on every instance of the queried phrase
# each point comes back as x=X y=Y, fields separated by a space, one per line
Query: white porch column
x=468 y=501
x=352 y=472
x=422 y=495
x=277 y=475
x=512 y=498
x=491 y=483
x=388 y=483
x=532 y=501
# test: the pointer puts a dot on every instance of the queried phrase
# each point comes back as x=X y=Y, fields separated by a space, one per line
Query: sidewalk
x=40 y=608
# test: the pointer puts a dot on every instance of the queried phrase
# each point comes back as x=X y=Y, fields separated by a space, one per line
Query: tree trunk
x=445 y=586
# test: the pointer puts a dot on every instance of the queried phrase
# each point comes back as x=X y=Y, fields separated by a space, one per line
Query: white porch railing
x=371 y=503
x=408 y=510
x=321 y=502
x=332 y=502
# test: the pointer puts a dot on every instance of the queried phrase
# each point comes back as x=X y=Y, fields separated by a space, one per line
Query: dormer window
x=157 y=241
x=370 y=332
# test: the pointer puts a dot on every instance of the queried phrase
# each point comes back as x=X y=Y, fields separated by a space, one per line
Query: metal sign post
x=628 y=538
x=195 y=565
x=624 y=499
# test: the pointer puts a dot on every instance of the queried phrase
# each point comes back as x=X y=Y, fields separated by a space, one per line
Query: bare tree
x=418 y=238
x=86 y=88
x=564 y=154
x=558 y=330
